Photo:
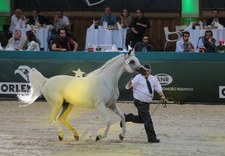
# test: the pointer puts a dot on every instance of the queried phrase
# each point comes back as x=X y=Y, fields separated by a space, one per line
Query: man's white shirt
x=140 y=88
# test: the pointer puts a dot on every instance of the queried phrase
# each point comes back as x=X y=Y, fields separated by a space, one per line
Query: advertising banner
x=184 y=77
x=98 y=5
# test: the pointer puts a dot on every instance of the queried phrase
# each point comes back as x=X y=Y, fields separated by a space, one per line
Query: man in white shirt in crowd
x=215 y=20
x=183 y=44
x=143 y=93
x=16 y=42
x=64 y=19
x=17 y=20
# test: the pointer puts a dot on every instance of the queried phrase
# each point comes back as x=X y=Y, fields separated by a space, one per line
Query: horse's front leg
x=114 y=107
x=102 y=109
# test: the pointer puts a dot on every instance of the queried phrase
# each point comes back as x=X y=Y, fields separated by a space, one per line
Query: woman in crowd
x=125 y=18
x=32 y=42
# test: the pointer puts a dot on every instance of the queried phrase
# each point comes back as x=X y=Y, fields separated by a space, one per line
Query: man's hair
x=59 y=10
x=209 y=31
x=146 y=36
x=36 y=11
x=215 y=9
x=147 y=66
x=185 y=32
x=60 y=30
x=141 y=10
x=18 y=30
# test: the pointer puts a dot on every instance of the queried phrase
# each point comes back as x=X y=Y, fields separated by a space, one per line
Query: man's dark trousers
x=143 y=117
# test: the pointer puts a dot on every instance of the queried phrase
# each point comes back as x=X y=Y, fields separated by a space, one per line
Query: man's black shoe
x=154 y=141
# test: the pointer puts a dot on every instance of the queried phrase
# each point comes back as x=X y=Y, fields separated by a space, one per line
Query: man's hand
x=163 y=99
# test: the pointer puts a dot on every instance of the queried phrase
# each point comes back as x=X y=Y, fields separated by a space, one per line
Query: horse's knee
x=52 y=119
x=61 y=119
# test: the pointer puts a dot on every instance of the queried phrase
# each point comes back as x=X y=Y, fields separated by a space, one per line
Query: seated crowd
x=60 y=36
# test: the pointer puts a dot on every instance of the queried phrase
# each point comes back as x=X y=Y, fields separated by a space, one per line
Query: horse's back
x=54 y=86
x=70 y=89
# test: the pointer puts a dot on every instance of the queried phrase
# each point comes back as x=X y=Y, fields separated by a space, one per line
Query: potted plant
x=221 y=46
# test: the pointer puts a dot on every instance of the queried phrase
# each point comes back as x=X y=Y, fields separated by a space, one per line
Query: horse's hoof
x=60 y=138
x=97 y=138
x=121 y=137
x=76 y=137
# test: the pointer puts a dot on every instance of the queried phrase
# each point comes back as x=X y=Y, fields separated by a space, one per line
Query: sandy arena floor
x=184 y=130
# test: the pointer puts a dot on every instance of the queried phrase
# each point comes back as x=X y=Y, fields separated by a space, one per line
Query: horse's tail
x=37 y=81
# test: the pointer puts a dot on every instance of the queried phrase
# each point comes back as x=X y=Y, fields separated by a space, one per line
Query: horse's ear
x=131 y=51
x=129 y=47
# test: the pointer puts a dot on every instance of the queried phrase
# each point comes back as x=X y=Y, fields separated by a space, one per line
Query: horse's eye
x=132 y=62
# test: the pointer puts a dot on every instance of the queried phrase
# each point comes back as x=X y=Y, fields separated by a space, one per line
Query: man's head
x=148 y=69
x=35 y=13
x=139 y=13
x=186 y=36
x=62 y=33
x=56 y=17
x=17 y=34
x=107 y=10
x=208 y=34
x=59 y=12
x=18 y=13
x=215 y=13
x=146 y=39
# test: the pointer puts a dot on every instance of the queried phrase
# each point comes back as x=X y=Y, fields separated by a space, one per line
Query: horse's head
x=132 y=63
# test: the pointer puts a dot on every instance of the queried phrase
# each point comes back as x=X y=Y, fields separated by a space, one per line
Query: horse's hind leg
x=102 y=109
x=63 y=119
x=114 y=107
x=53 y=115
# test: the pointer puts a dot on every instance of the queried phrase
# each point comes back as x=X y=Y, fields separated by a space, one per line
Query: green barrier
x=185 y=77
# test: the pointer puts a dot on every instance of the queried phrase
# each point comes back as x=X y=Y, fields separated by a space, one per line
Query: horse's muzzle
x=141 y=70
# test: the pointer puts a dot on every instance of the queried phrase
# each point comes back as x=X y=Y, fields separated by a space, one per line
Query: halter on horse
x=98 y=89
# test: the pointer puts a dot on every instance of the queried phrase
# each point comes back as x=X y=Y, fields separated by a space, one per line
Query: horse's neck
x=114 y=71
x=111 y=71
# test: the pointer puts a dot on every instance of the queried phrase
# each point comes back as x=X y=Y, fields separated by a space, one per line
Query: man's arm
x=179 y=47
x=129 y=85
x=162 y=96
x=75 y=44
x=54 y=48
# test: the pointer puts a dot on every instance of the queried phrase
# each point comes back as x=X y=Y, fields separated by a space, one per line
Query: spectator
x=125 y=18
x=215 y=19
x=64 y=43
x=53 y=33
x=144 y=46
x=109 y=18
x=207 y=43
x=183 y=44
x=64 y=20
x=138 y=29
x=18 y=20
x=32 y=42
x=25 y=46
x=16 y=42
x=36 y=19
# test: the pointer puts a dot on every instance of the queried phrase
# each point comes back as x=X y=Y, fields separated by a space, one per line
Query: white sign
x=164 y=79
x=13 y=87
x=222 y=92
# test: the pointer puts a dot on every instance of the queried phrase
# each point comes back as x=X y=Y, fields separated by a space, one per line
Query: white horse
x=98 y=89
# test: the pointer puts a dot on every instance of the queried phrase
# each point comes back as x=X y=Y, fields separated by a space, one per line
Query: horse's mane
x=99 y=70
